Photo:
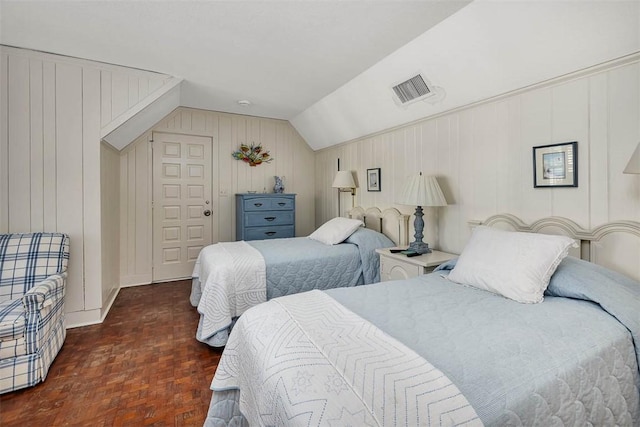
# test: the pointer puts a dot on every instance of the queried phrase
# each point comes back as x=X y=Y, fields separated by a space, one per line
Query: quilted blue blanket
x=570 y=360
x=300 y=264
x=326 y=366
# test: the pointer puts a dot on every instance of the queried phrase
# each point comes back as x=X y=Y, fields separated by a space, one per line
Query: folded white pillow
x=336 y=230
x=515 y=265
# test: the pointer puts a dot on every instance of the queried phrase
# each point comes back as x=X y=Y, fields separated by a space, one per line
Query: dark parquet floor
x=141 y=367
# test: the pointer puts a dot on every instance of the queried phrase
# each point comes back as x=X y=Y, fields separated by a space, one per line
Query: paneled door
x=183 y=214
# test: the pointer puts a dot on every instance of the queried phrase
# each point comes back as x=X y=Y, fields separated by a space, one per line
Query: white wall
x=292 y=158
x=487 y=48
x=53 y=110
x=135 y=212
x=110 y=214
x=482 y=156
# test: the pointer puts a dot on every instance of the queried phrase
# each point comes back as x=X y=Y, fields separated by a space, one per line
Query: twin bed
x=431 y=351
x=231 y=277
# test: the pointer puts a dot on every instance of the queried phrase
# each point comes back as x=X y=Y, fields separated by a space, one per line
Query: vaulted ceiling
x=282 y=56
x=328 y=65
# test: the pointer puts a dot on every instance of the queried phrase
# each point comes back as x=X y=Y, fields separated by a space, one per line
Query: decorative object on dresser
x=555 y=165
x=252 y=154
x=265 y=216
x=344 y=183
x=421 y=191
x=396 y=266
x=634 y=162
x=279 y=185
x=373 y=180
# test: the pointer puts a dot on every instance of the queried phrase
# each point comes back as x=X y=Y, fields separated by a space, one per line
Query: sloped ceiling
x=283 y=56
x=327 y=66
x=486 y=49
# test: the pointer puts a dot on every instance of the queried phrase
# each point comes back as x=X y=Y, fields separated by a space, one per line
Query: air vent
x=411 y=90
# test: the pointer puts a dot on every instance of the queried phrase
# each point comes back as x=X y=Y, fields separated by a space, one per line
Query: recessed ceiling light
x=244 y=103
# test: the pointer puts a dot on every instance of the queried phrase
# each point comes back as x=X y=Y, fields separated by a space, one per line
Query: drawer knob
x=270 y=233
x=281 y=203
x=257 y=205
x=270 y=218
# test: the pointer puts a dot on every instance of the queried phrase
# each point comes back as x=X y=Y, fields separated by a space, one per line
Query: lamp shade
x=422 y=190
x=634 y=162
x=343 y=179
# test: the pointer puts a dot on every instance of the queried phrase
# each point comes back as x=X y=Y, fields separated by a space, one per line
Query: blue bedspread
x=300 y=264
x=568 y=360
x=615 y=293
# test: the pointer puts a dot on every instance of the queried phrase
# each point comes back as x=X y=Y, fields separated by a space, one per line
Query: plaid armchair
x=33 y=272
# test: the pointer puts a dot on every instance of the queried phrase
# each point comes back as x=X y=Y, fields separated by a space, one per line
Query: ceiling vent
x=412 y=89
x=415 y=89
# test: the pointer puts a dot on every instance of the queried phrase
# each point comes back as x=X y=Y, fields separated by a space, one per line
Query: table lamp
x=421 y=191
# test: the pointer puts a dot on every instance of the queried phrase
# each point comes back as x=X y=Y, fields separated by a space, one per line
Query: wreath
x=252 y=154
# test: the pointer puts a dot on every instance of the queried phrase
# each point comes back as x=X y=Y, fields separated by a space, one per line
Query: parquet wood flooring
x=141 y=367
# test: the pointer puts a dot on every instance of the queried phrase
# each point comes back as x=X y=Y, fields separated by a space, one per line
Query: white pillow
x=336 y=230
x=515 y=265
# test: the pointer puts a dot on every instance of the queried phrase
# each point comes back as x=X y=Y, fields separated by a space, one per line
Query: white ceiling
x=283 y=56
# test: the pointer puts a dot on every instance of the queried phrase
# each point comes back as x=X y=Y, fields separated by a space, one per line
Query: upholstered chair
x=33 y=272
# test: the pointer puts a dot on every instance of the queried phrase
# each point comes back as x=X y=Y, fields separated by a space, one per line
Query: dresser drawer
x=268 y=218
x=281 y=204
x=277 y=232
x=268 y=204
x=265 y=216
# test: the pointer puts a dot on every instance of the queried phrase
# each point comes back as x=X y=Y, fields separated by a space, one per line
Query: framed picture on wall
x=373 y=179
x=555 y=165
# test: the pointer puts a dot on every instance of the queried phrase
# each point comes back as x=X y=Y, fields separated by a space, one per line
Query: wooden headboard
x=615 y=245
x=390 y=222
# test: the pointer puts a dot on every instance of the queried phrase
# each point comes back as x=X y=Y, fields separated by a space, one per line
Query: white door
x=182 y=203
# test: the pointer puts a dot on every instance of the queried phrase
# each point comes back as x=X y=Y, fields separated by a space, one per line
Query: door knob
x=207 y=212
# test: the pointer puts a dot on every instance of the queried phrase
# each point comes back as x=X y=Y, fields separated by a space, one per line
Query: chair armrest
x=45 y=293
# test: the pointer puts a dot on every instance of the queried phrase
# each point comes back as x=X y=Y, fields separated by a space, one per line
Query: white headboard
x=390 y=222
x=615 y=245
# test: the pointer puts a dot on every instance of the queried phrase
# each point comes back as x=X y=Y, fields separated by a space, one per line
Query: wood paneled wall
x=123 y=90
x=482 y=156
x=135 y=213
x=110 y=214
x=52 y=112
x=292 y=158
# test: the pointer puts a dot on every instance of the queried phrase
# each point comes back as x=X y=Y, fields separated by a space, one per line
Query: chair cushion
x=27 y=259
x=11 y=320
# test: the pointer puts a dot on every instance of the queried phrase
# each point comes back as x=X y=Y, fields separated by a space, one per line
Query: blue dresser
x=265 y=216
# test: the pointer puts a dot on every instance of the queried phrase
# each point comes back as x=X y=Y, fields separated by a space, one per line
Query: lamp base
x=419 y=247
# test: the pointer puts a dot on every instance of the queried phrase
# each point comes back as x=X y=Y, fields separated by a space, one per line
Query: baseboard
x=135 y=280
x=76 y=319
x=111 y=300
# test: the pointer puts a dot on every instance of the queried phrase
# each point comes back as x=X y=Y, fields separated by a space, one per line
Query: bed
x=429 y=351
x=231 y=277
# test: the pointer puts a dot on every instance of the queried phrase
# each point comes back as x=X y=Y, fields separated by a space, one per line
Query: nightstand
x=399 y=266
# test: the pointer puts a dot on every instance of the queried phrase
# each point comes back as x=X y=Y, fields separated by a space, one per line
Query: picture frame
x=373 y=180
x=555 y=165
